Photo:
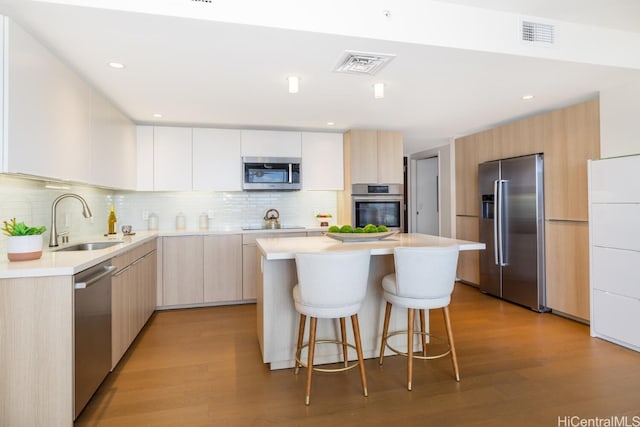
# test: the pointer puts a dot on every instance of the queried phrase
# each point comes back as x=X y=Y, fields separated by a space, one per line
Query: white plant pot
x=24 y=248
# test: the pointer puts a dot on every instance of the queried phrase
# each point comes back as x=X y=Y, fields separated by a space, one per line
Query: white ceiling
x=224 y=74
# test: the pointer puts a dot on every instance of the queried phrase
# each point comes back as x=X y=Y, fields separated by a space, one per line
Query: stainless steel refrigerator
x=512 y=226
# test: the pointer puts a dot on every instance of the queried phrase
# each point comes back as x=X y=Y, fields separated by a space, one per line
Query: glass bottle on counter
x=112 y=221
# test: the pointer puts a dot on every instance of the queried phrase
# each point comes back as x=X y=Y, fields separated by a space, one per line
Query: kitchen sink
x=89 y=246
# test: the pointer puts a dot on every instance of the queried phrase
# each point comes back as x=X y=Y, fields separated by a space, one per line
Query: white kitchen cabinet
x=182 y=270
x=113 y=146
x=144 y=158
x=322 y=161
x=268 y=143
x=217 y=162
x=48 y=110
x=223 y=268
x=172 y=159
x=614 y=232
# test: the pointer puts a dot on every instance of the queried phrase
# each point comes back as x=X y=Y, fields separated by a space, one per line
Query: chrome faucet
x=53 y=235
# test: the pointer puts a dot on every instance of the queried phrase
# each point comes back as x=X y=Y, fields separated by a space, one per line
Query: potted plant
x=24 y=243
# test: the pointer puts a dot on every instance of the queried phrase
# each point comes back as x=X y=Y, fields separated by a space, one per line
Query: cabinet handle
x=122 y=271
x=83 y=285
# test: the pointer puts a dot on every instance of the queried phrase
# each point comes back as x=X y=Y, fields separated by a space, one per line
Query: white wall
x=620 y=120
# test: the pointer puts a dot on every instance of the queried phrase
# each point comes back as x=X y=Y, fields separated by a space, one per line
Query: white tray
x=360 y=237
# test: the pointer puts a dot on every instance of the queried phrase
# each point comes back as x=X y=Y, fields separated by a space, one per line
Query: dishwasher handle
x=83 y=285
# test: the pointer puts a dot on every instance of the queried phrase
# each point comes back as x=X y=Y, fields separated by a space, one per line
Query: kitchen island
x=277 y=319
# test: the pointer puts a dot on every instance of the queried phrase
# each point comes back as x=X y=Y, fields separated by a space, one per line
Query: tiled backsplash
x=29 y=201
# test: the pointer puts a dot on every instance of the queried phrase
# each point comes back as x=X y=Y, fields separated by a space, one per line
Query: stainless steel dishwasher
x=92 y=320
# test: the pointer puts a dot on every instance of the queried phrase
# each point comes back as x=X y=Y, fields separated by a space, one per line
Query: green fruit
x=382 y=229
x=370 y=228
x=333 y=229
x=346 y=229
x=358 y=230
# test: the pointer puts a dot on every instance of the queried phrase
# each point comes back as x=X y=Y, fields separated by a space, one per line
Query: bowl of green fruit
x=368 y=233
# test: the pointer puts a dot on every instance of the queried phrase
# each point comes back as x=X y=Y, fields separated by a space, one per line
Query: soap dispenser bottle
x=112 y=221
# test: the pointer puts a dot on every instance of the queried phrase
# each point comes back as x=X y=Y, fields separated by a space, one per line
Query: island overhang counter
x=277 y=319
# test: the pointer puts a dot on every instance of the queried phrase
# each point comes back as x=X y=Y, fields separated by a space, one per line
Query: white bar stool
x=423 y=280
x=330 y=286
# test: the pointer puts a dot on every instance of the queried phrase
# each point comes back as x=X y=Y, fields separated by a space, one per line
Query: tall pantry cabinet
x=615 y=249
x=568 y=138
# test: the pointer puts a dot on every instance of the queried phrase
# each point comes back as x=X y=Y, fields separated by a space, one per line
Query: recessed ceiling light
x=527 y=97
x=330 y=123
x=157 y=115
x=294 y=84
x=378 y=90
x=116 y=65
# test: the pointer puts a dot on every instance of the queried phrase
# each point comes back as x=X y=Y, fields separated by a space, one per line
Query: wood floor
x=202 y=367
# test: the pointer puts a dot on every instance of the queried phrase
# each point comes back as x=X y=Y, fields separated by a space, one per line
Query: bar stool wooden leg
x=454 y=357
x=410 y=347
x=385 y=331
x=356 y=332
x=312 y=345
x=303 y=319
x=423 y=330
x=343 y=333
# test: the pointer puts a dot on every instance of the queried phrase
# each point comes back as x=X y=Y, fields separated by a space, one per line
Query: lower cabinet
x=250 y=260
x=133 y=296
x=468 y=261
x=201 y=269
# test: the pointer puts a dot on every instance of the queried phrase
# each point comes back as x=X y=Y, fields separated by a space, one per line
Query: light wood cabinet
x=200 y=270
x=322 y=161
x=375 y=157
x=217 y=162
x=223 y=268
x=268 y=143
x=567 y=267
x=36 y=357
x=468 y=261
x=172 y=159
x=467 y=175
x=133 y=296
x=182 y=270
x=571 y=137
x=250 y=260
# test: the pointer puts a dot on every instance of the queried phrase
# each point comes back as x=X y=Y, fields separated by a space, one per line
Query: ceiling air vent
x=537 y=33
x=362 y=62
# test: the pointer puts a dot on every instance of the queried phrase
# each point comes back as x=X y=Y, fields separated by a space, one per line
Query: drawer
x=610 y=181
x=616 y=317
x=616 y=226
x=616 y=271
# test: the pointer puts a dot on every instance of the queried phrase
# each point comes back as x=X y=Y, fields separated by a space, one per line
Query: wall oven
x=378 y=204
x=271 y=173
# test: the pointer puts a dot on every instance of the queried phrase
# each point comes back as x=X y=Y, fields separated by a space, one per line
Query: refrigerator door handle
x=496 y=219
x=500 y=221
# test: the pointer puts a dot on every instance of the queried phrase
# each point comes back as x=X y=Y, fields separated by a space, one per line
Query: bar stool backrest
x=333 y=279
x=427 y=273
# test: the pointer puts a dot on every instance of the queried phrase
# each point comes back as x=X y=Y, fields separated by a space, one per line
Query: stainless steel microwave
x=271 y=173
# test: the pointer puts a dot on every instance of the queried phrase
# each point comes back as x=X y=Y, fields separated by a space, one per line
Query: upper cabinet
x=373 y=157
x=172 y=159
x=50 y=110
x=217 y=163
x=571 y=137
x=322 y=164
x=267 y=143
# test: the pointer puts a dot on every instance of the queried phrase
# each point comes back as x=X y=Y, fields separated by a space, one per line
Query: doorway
x=427 y=206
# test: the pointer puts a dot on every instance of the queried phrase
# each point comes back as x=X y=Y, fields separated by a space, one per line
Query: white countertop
x=286 y=248
x=53 y=263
